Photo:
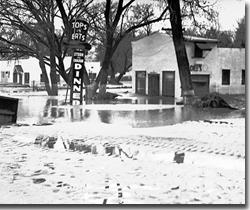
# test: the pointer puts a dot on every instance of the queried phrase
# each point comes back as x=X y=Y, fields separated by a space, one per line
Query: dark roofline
x=18 y=68
x=190 y=38
x=200 y=39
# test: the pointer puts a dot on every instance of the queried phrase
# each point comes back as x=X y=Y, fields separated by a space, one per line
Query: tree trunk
x=124 y=71
x=62 y=71
x=53 y=75
x=51 y=41
x=102 y=77
x=45 y=76
x=118 y=79
x=180 y=50
x=112 y=73
x=86 y=80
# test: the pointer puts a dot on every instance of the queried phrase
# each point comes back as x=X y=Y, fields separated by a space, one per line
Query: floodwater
x=130 y=112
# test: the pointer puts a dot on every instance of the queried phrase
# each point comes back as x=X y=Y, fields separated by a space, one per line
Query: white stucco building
x=27 y=71
x=155 y=70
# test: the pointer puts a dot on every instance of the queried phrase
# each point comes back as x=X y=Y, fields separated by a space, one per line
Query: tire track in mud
x=173 y=144
x=189 y=145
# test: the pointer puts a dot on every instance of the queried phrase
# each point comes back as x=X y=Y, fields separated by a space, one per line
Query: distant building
x=27 y=72
x=155 y=70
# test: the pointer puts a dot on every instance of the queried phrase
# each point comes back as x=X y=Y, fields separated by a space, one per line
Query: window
x=141 y=82
x=197 y=52
x=5 y=74
x=225 y=77
x=26 y=77
x=243 y=77
x=14 y=77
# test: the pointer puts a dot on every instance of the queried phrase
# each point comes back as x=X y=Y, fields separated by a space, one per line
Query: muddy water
x=37 y=109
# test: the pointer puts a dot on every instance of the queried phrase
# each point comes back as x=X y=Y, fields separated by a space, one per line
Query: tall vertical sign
x=77 y=76
x=80 y=28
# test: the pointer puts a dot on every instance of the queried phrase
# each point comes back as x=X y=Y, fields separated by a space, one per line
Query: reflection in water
x=105 y=116
x=61 y=112
x=139 y=100
x=46 y=109
x=78 y=114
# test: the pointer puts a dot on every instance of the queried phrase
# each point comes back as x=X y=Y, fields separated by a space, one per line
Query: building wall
x=226 y=58
x=233 y=59
x=156 y=54
x=190 y=48
x=31 y=65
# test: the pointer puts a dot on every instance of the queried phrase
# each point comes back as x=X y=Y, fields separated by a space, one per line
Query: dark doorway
x=200 y=84
x=168 y=83
x=20 y=78
x=26 y=77
x=140 y=82
x=14 y=77
x=153 y=84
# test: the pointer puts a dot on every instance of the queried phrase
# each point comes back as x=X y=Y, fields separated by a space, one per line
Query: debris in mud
x=213 y=100
x=106 y=96
x=179 y=157
x=109 y=149
x=217 y=122
x=44 y=140
x=175 y=188
x=38 y=180
x=43 y=124
x=81 y=145
x=21 y=124
x=40 y=139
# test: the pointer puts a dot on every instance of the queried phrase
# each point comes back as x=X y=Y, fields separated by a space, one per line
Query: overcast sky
x=230 y=11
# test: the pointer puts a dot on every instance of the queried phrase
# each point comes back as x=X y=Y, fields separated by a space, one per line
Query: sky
x=230 y=11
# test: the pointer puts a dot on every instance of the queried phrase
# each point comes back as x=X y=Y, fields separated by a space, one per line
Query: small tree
x=240 y=34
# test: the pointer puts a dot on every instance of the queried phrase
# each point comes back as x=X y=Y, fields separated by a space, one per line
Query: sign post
x=77 y=76
x=78 y=43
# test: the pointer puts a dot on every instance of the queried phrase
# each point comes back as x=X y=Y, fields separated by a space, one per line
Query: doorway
x=168 y=83
x=200 y=84
x=140 y=82
x=153 y=84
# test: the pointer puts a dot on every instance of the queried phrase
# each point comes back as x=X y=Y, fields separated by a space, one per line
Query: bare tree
x=108 y=20
x=33 y=20
x=28 y=28
x=189 y=10
x=240 y=34
x=182 y=59
x=121 y=61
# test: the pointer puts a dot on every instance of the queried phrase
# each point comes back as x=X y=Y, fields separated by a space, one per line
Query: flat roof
x=199 y=39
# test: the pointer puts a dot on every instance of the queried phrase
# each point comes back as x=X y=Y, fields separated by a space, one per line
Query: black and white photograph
x=123 y=102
